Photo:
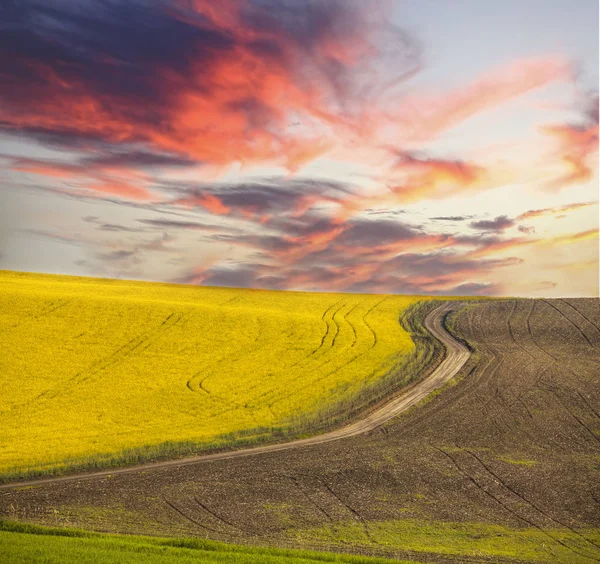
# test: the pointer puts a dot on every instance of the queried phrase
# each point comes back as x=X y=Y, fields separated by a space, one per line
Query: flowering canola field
x=91 y=368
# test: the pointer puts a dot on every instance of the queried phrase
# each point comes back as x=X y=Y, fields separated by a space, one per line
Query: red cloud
x=121 y=189
x=226 y=89
x=208 y=201
x=56 y=171
x=117 y=181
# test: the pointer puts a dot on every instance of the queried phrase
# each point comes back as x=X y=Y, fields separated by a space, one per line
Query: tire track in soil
x=504 y=404
x=329 y=374
x=103 y=363
x=456 y=357
x=540 y=372
x=513 y=512
x=555 y=393
x=297 y=484
x=354 y=512
x=530 y=503
x=552 y=389
x=510 y=330
x=225 y=521
x=571 y=322
x=325 y=335
x=191 y=383
x=344 y=504
x=271 y=393
x=329 y=360
x=188 y=518
x=43 y=312
x=582 y=315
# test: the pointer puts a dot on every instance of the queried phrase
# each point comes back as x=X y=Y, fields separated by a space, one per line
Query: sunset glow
x=329 y=146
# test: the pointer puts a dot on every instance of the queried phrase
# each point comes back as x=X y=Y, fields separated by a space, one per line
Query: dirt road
x=456 y=356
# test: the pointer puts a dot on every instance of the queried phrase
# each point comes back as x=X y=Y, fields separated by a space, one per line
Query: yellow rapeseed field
x=91 y=368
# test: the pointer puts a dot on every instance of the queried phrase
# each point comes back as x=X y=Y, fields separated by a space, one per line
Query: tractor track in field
x=456 y=355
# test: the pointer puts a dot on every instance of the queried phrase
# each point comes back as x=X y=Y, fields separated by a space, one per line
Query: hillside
x=502 y=466
x=101 y=372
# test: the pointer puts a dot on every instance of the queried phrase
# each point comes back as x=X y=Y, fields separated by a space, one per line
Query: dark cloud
x=333 y=268
x=263 y=197
x=131 y=254
x=309 y=224
x=136 y=159
x=175 y=224
x=109 y=47
x=374 y=233
x=116 y=228
x=591 y=107
x=475 y=289
x=526 y=228
x=240 y=277
x=235 y=276
x=113 y=227
x=92 y=197
x=437 y=265
x=498 y=224
x=116 y=255
x=198 y=82
x=68 y=238
x=452 y=218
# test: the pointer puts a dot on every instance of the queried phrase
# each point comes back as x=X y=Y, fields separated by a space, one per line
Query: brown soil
x=531 y=392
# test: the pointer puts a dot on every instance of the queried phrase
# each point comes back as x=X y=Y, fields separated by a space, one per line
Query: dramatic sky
x=422 y=146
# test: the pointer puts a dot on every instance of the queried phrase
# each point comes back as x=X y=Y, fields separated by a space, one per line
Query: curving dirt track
x=455 y=358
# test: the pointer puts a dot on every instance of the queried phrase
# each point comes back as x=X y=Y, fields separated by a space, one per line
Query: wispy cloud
x=577 y=146
x=429 y=115
x=556 y=211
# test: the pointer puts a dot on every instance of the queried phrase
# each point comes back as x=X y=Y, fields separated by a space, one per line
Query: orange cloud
x=555 y=211
x=577 y=145
x=501 y=245
x=578 y=152
x=435 y=178
x=427 y=116
x=588 y=235
x=208 y=201
x=55 y=171
x=117 y=181
x=121 y=189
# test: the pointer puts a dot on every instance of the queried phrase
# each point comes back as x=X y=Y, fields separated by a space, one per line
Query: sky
x=413 y=147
